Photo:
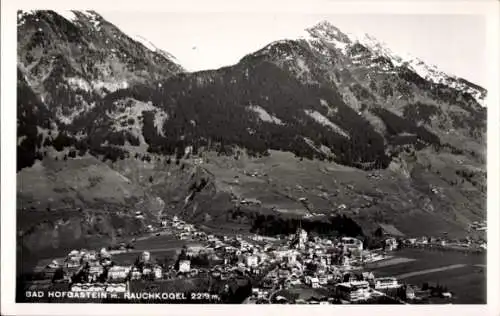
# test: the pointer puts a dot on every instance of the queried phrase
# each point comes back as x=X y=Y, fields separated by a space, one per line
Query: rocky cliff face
x=67 y=62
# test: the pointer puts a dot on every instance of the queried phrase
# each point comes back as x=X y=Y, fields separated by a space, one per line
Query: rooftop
x=353 y=284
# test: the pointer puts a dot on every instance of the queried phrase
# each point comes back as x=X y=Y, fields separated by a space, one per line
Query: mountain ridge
x=326 y=31
x=360 y=74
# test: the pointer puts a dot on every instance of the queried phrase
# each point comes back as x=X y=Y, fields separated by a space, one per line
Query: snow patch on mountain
x=432 y=73
x=425 y=70
x=327 y=33
x=167 y=55
x=323 y=120
x=144 y=42
x=90 y=15
x=264 y=115
x=96 y=23
x=75 y=16
x=68 y=15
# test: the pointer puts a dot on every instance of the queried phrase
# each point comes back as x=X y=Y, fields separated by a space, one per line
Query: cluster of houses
x=465 y=244
x=230 y=253
x=184 y=231
x=397 y=239
x=299 y=261
x=92 y=271
x=335 y=264
x=316 y=263
x=275 y=264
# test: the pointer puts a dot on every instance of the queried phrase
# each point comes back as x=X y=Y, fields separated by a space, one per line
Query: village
x=296 y=269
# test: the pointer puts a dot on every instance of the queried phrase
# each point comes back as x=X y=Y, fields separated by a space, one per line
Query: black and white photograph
x=252 y=157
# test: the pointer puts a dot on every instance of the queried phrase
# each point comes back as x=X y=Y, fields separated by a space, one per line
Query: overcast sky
x=454 y=43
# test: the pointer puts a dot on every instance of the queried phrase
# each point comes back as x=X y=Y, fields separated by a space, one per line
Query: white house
x=118 y=272
x=146 y=271
x=412 y=241
x=194 y=249
x=88 y=287
x=145 y=256
x=302 y=238
x=116 y=288
x=54 y=264
x=391 y=244
x=96 y=271
x=104 y=253
x=136 y=274
x=423 y=241
x=138 y=213
x=354 y=291
x=323 y=280
x=252 y=261
x=352 y=244
x=106 y=262
x=386 y=283
x=184 y=266
x=315 y=283
x=410 y=293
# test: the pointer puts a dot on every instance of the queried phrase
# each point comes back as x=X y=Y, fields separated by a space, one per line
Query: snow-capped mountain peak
x=326 y=32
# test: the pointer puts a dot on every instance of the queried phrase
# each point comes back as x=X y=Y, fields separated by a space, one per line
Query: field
x=158 y=242
x=73 y=183
x=463 y=274
x=164 y=247
x=303 y=293
x=279 y=181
